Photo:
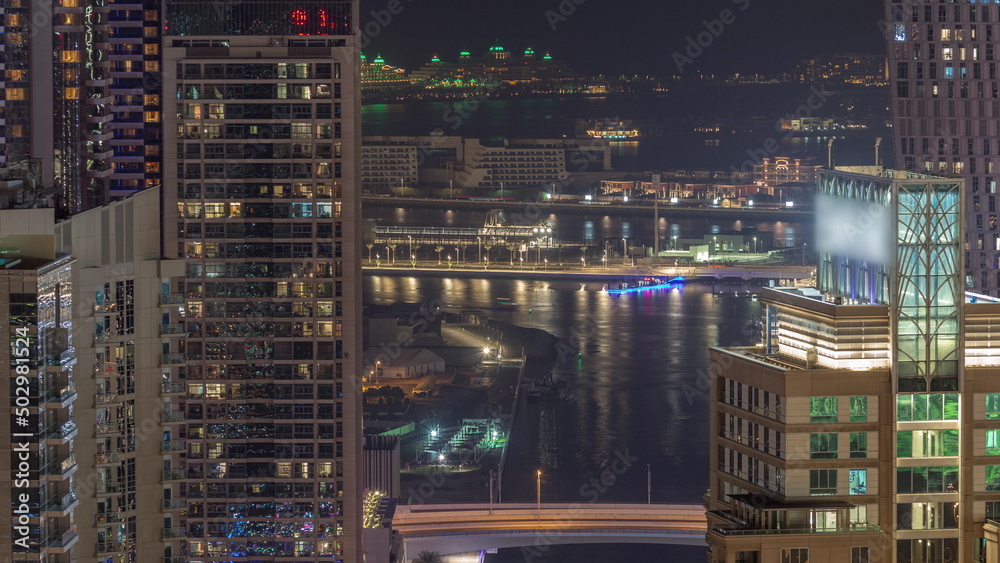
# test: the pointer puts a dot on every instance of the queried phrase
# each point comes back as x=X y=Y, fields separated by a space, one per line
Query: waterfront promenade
x=607 y=274
x=541 y=208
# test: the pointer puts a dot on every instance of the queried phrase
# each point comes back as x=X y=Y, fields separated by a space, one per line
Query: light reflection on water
x=635 y=388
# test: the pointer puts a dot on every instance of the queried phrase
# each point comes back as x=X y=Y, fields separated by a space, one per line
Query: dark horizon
x=599 y=37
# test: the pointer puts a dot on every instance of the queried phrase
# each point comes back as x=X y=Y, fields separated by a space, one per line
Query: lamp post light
x=479 y=241
x=378 y=260
x=675 y=242
x=546 y=268
x=624 y=249
x=804 y=245
x=449 y=261
x=458 y=255
x=413 y=261
x=755 y=245
x=410 y=240
x=538 y=493
x=584 y=260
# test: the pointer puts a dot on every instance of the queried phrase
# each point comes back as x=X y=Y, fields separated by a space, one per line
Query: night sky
x=628 y=37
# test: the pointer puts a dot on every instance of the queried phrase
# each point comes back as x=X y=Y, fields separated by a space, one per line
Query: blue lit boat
x=645 y=284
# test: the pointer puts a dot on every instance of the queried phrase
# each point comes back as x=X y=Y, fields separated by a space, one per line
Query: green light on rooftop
x=529 y=51
x=363 y=56
x=435 y=59
x=547 y=57
x=465 y=54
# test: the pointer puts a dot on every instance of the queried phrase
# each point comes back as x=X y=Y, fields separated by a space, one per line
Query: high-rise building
x=261 y=198
x=129 y=506
x=38 y=502
x=945 y=110
x=82 y=95
x=863 y=427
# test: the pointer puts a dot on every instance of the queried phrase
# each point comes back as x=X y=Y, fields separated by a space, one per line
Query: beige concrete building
x=127 y=331
x=866 y=425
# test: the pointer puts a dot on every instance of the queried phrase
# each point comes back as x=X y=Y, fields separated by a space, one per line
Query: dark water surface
x=634 y=366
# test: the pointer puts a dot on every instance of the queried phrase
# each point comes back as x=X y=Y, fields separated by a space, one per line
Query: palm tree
x=429 y=557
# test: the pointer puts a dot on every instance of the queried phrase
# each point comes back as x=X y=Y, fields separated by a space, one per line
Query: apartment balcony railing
x=109 y=517
x=173 y=474
x=107 y=489
x=106 y=368
x=176 y=532
x=171 y=299
x=171 y=359
x=170 y=388
x=107 y=399
x=60 y=467
x=104 y=430
x=107 y=458
x=174 y=446
x=173 y=328
x=174 y=504
x=172 y=416
x=110 y=547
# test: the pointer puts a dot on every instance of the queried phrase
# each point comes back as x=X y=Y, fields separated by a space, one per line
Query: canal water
x=635 y=368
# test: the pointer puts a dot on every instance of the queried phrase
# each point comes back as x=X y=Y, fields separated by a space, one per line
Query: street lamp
x=410 y=239
x=804 y=245
x=547 y=264
x=538 y=493
x=413 y=260
x=755 y=245
x=675 y=242
x=378 y=260
x=479 y=241
x=458 y=255
x=624 y=249
x=449 y=261
x=584 y=260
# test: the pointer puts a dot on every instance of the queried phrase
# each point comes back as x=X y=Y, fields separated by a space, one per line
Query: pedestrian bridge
x=461 y=528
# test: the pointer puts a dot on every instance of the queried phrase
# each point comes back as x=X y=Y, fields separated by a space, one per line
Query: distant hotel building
x=497 y=65
x=406 y=162
x=773 y=172
x=945 y=112
x=843 y=68
x=866 y=426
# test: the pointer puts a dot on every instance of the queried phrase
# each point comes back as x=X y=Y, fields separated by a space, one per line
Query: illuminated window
x=71 y=56
x=823 y=445
x=823 y=409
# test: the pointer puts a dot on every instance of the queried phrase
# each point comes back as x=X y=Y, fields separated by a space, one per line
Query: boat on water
x=505 y=304
x=644 y=284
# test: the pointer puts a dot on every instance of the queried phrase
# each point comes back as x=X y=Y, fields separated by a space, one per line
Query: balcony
x=173 y=446
x=176 y=532
x=64 y=504
x=175 y=504
x=106 y=430
x=110 y=547
x=170 y=388
x=171 y=359
x=173 y=328
x=108 y=518
x=60 y=539
x=171 y=299
x=65 y=431
x=173 y=474
x=107 y=459
x=106 y=489
x=105 y=307
x=107 y=400
x=61 y=395
x=106 y=368
x=61 y=468
x=169 y=417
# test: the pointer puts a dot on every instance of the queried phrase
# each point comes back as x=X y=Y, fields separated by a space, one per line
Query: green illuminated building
x=865 y=426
